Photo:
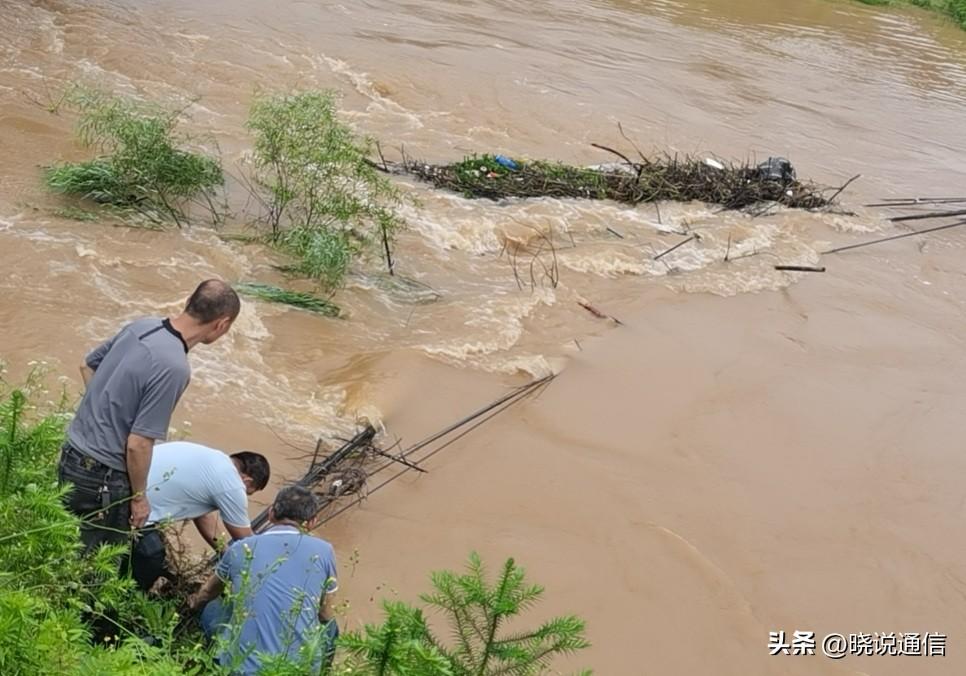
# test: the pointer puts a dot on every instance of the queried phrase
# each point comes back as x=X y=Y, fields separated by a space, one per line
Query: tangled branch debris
x=533 y=257
x=676 y=178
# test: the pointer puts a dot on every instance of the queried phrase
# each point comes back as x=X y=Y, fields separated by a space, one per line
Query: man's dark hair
x=212 y=300
x=295 y=503
x=254 y=465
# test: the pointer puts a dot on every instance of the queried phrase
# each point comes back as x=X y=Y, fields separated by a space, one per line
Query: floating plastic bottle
x=506 y=162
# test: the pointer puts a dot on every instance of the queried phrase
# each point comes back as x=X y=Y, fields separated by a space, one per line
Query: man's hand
x=140 y=509
x=194 y=601
x=86 y=374
x=211 y=589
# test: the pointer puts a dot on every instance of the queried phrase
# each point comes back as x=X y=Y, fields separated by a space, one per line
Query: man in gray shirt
x=134 y=380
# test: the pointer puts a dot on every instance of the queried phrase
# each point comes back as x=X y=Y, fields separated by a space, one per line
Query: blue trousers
x=217 y=614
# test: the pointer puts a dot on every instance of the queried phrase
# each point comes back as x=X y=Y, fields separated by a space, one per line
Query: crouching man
x=191 y=481
x=282 y=584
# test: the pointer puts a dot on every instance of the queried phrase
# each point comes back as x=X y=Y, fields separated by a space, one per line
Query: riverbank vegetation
x=64 y=614
x=953 y=9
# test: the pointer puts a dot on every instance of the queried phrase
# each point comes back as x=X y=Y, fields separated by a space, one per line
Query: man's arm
x=86 y=374
x=233 y=506
x=207 y=526
x=95 y=357
x=160 y=395
x=215 y=584
x=239 y=532
x=327 y=607
x=211 y=589
x=139 y=452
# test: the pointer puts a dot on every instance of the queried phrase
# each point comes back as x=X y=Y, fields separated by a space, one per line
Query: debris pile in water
x=673 y=178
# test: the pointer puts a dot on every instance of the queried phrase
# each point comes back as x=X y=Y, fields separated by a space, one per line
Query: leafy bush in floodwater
x=145 y=167
x=324 y=201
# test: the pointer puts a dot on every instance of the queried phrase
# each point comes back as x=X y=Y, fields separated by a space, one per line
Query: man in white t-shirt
x=191 y=481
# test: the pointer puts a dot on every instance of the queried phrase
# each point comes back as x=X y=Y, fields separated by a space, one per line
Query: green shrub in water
x=274 y=294
x=145 y=166
x=324 y=201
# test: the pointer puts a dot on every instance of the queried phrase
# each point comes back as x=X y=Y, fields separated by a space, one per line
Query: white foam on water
x=32 y=73
x=193 y=37
x=110 y=79
x=853 y=224
x=480 y=131
x=362 y=84
x=61 y=267
x=461 y=227
x=751 y=274
x=235 y=369
x=120 y=293
x=534 y=365
x=606 y=263
x=43 y=236
x=494 y=325
x=227 y=253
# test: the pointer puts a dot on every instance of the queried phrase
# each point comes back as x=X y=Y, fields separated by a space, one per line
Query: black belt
x=111 y=476
x=92 y=464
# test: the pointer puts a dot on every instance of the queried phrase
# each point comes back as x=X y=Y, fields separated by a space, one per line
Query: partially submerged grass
x=404 y=289
x=954 y=9
x=674 y=178
x=296 y=299
x=76 y=214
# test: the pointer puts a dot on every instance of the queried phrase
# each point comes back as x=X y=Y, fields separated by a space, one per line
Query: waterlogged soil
x=751 y=451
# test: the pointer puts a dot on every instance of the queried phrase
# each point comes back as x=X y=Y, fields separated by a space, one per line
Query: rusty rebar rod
x=894 y=237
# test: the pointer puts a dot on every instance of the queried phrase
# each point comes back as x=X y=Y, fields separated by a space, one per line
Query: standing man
x=134 y=381
x=283 y=582
x=191 y=481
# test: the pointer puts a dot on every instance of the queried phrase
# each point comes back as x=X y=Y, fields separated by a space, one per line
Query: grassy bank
x=954 y=9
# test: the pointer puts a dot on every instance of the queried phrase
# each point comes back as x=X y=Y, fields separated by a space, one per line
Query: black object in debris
x=777 y=169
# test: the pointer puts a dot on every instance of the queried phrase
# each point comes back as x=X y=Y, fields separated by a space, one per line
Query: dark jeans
x=148 y=558
x=100 y=496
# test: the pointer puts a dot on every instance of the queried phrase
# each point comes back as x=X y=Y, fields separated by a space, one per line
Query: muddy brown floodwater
x=752 y=451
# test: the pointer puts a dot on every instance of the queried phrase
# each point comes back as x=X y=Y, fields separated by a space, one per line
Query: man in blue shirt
x=281 y=590
x=191 y=481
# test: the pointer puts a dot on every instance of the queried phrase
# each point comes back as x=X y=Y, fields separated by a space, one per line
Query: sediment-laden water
x=751 y=451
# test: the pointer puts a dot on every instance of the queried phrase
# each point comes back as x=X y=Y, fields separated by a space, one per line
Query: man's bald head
x=211 y=301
